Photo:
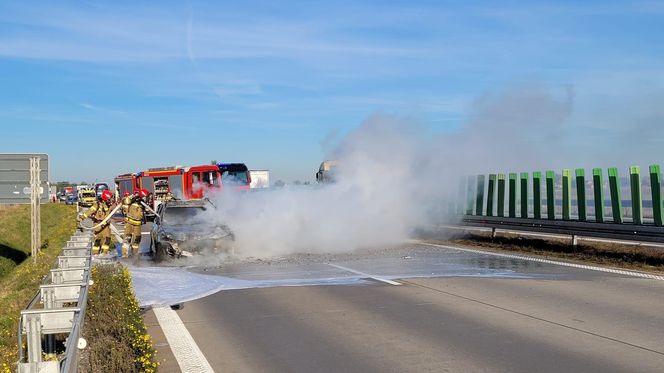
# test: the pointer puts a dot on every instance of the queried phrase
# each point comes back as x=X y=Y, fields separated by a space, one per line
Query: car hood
x=188 y=232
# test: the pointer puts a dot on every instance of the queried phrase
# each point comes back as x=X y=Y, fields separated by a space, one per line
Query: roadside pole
x=35 y=213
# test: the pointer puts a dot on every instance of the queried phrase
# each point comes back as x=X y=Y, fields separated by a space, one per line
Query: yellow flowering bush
x=116 y=335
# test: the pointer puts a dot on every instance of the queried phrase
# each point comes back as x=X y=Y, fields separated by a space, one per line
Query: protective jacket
x=135 y=213
x=126 y=201
x=97 y=212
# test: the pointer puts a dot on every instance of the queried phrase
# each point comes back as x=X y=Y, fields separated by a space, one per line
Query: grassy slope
x=19 y=282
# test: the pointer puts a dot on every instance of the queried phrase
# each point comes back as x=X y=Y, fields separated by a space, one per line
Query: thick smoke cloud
x=395 y=175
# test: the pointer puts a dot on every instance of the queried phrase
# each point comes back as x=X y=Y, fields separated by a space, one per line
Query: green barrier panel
x=524 y=195
x=656 y=188
x=581 y=193
x=567 y=191
x=512 y=191
x=598 y=190
x=637 y=200
x=469 y=195
x=491 y=191
x=479 y=201
x=537 y=196
x=501 y=195
x=460 y=195
x=550 y=195
x=616 y=202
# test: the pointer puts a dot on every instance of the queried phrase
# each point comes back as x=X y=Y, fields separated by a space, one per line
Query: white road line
x=554 y=262
x=186 y=351
x=365 y=274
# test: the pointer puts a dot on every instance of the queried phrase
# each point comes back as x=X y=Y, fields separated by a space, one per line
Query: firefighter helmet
x=126 y=194
x=143 y=193
x=106 y=195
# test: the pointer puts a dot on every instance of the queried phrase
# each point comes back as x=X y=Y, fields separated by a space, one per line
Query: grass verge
x=19 y=276
x=114 y=329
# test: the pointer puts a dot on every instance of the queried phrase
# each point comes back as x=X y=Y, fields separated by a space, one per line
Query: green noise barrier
x=479 y=203
x=512 y=201
x=491 y=191
x=616 y=199
x=637 y=202
x=524 y=195
x=550 y=195
x=580 y=174
x=518 y=194
x=655 y=187
x=598 y=190
x=469 y=195
x=537 y=195
x=501 y=195
x=567 y=191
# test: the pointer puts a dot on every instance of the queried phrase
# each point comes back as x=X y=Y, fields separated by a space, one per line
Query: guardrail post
x=512 y=200
x=491 y=191
x=655 y=187
x=537 y=196
x=33 y=333
x=581 y=193
x=550 y=195
x=616 y=201
x=637 y=200
x=469 y=196
x=501 y=195
x=598 y=190
x=567 y=193
x=479 y=201
x=524 y=195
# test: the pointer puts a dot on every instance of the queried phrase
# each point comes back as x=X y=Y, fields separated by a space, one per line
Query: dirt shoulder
x=627 y=256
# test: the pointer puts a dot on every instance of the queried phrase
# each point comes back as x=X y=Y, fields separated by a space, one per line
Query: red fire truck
x=127 y=183
x=180 y=182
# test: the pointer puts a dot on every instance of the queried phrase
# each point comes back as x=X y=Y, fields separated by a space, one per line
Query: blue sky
x=113 y=87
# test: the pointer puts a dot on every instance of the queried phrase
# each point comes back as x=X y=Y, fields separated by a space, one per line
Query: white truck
x=259 y=179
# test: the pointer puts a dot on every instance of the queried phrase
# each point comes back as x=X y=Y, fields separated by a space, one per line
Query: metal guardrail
x=58 y=315
x=622 y=231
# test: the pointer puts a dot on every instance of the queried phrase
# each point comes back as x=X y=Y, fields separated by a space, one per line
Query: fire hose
x=103 y=221
x=148 y=207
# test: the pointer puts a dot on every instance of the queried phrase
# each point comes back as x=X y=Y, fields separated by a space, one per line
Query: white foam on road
x=189 y=356
x=548 y=261
x=173 y=285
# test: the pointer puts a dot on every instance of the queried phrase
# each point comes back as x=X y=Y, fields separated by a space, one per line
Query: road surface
x=416 y=308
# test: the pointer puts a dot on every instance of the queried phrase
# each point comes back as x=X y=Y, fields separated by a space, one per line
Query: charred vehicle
x=184 y=228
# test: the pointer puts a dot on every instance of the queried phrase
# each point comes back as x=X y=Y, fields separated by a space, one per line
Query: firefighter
x=126 y=201
x=133 y=222
x=98 y=212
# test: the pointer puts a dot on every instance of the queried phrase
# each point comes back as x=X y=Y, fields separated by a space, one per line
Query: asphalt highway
x=452 y=311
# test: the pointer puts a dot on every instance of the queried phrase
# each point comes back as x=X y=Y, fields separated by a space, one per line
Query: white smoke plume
x=395 y=175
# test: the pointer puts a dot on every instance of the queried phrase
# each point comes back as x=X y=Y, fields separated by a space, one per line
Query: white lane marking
x=554 y=262
x=145 y=233
x=186 y=351
x=365 y=274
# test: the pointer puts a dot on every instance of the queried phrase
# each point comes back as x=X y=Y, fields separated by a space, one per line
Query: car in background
x=86 y=197
x=185 y=228
x=72 y=199
x=100 y=187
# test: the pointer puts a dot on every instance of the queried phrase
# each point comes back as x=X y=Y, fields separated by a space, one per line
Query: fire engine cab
x=127 y=183
x=180 y=182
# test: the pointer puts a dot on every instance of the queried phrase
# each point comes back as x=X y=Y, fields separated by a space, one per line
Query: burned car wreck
x=183 y=228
